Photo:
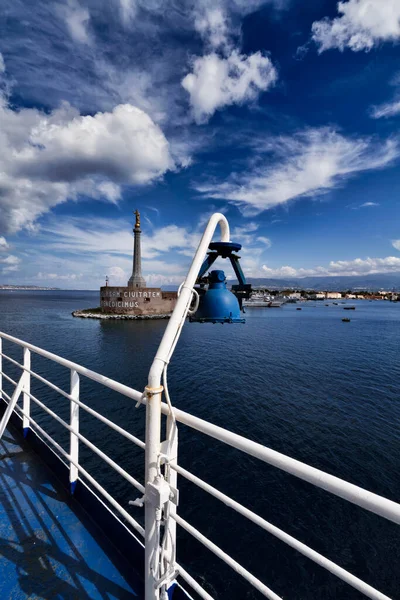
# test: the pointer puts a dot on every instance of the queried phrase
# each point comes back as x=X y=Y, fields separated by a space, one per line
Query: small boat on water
x=264 y=301
x=346 y=320
x=349 y=308
x=298 y=308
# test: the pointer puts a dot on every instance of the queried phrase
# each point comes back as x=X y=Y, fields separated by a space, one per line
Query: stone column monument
x=136 y=280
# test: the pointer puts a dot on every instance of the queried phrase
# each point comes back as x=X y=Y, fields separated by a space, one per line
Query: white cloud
x=217 y=82
x=101 y=237
x=358 y=266
x=369 y=204
x=58 y=276
x=305 y=165
x=77 y=21
x=46 y=159
x=396 y=244
x=3 y=243
x=264 y=240
x=391 y=109
x=2 y=65
x=128 y=10
x=100 y=247
x=11 y=263
x=361 y=25
x=212 y=24
x=364 y=205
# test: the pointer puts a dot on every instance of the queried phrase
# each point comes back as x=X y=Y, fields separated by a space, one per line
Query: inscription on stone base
x=145 y=301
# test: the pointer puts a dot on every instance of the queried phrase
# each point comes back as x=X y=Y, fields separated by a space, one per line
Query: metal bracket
x=138 y=502
x=165 y=452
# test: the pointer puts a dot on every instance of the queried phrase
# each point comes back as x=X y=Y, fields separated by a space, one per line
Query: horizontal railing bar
x=193 y=583
x=12 y=360
x=91 y=479
x=348 y=491
x=94 y=413
x=90 y=445
x=6 y=396
x=261 y=587
x=8 y=379
x=352 y=580
x=106 y=381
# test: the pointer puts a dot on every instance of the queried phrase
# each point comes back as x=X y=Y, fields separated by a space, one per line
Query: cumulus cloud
x=217 y=82
x=358 y=266
x=361 y=25
x=46 y=159
x=308 y=164
x=390 y=109
x=3 y=243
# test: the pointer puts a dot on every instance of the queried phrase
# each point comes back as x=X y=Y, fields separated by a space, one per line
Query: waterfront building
x=333 y=295
x=136 y=298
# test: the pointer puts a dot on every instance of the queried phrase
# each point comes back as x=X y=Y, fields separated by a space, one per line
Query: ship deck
x=46 y=549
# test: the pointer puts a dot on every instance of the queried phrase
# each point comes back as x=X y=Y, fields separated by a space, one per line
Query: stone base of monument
x=96 y=313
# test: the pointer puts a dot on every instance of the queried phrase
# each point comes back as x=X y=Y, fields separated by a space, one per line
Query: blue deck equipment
x=216 y=303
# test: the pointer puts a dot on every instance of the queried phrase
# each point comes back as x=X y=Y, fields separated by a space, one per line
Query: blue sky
x=284 y=115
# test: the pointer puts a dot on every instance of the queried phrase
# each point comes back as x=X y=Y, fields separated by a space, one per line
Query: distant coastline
x=36 y=288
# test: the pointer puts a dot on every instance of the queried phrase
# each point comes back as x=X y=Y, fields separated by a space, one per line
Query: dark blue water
x=301 y=382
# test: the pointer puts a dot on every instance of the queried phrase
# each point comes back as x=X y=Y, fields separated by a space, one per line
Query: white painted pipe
x=154 y=391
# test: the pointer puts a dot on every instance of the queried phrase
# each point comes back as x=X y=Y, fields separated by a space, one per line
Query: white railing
x=159 y=494
x=372 y=502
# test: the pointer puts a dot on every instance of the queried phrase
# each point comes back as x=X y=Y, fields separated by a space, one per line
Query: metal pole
x=1 y=367
x=74 y=423
x=153 y=432
x=26 y=402
x=153 y=406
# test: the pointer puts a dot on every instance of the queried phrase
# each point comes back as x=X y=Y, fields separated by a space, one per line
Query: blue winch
x=216 y=303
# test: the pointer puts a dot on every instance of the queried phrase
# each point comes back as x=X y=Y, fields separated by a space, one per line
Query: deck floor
x=45 y=551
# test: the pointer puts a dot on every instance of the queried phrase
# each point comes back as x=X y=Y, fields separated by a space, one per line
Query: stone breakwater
x=93 y=314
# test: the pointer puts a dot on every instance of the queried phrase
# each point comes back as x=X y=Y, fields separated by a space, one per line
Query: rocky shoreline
x=93 y=313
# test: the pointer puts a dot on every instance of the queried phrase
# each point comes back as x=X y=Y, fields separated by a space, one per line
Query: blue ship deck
x=46 y=550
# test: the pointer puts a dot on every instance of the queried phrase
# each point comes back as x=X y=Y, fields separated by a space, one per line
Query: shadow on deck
x=45 y=550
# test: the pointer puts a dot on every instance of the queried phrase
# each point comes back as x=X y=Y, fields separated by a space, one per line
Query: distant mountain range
x=379 y=281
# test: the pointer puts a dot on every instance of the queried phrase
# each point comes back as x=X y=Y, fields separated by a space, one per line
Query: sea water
x=303 y=383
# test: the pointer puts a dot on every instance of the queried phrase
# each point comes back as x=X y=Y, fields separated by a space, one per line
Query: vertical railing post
x=172 y=437
x=26 y=400
x=152 y=520
x=1 y=367
x=74 y=423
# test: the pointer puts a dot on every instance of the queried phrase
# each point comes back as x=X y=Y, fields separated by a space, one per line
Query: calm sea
x=301 y=382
